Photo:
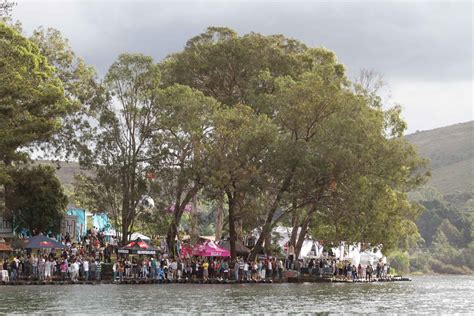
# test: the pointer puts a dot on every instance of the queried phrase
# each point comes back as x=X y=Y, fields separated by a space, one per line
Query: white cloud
x=428 y=105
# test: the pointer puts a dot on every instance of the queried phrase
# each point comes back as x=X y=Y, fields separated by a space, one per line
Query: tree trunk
x=304 y=230
x=232 y=232
x=268 y=225
x=125 y=222
x=294 y=232
x=219 y=217
x=178 y=213
x=239 y=228
x=268 y=244
x=194 y=233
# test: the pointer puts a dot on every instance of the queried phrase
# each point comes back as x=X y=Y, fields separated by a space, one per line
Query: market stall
x=139 y=247
x=210 y=249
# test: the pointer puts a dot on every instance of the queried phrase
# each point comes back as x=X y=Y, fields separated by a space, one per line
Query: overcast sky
x=424 y=50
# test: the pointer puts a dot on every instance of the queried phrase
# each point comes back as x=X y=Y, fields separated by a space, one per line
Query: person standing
x=85 y=268
x=121 y=271
x=48 y=269
x=246 y=271
x=64 y=268
x=115 y=269
x=205 y=270
x=41 y=267
x=74 y=271
x=368 y=273
x=99 y=270
x=180 y=269
x=269 y=269
x=152 y=268
x=93 y=269
x=14 y=269
x=310 y=267
x=34 y=265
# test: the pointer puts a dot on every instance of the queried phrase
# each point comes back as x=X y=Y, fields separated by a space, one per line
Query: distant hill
x=451 y=152
x=65 y=171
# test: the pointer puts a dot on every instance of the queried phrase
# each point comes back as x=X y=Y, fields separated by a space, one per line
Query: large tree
x=81 y=88
x=117 y=143
x=36 y=200
x=181 y=152
x=327 y=127
x=31 y=102
x=31 y=97
x=242 y=143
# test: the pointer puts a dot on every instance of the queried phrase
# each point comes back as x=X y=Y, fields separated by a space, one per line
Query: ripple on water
x=442 y=294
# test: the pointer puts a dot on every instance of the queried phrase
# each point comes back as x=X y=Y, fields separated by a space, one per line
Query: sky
x=423 y=49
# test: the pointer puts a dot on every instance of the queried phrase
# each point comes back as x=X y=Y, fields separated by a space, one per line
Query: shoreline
x=202 y=282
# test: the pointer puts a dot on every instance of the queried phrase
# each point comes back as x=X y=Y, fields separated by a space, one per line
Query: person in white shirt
x=74 y=269
x=115 y=269
x=246 y=271
x=85 y=267
x=41 y=267
x=48 y=270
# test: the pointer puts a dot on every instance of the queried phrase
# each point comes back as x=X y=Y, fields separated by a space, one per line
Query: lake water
x=436 y=294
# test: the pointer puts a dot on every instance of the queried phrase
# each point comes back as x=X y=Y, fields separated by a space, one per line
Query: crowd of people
x=80 y=260
x=84 y=261
x=165 y=268
x=345 y=270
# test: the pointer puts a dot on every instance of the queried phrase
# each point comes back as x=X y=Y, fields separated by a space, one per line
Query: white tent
x=370 y=257
x=354 y=253
x=139 y=235
x=311 y=249
x=306 y=248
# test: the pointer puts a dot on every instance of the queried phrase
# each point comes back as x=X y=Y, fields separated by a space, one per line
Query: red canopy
x=4 y=247
x=140 y=247
x=210 y=249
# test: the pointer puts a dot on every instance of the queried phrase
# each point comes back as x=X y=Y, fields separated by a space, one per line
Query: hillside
x=65 y=171
x=447 y=222
x=451 y=152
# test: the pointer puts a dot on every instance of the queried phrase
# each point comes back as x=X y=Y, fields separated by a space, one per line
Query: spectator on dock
x=368 y=272
x=85 y=269
x=354 y=273
x=205 y=270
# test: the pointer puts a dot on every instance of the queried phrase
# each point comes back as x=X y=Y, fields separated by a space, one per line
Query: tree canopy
x=264 y=124
x=36 y=200
x=31 y=97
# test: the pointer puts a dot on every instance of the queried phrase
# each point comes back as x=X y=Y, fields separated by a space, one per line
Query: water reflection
x=454 y=294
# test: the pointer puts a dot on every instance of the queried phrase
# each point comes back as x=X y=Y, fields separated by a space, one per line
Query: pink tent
x=210 y=249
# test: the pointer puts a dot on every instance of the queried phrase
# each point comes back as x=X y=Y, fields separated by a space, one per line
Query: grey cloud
x=424 y=41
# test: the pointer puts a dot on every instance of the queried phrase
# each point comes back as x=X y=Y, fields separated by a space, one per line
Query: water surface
x=436 y=294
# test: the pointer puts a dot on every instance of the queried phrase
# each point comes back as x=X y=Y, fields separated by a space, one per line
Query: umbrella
x=5 y=248
x=240 y=249
x=139 y=247
x=43 y=242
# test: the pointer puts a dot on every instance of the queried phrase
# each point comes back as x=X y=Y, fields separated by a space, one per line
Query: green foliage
x=446 y=228
x=81 y=88
x=400 y=261
x=117 y=142
x=456 y=224
x=31 y=97
x=303 y=92
x=36 y=199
